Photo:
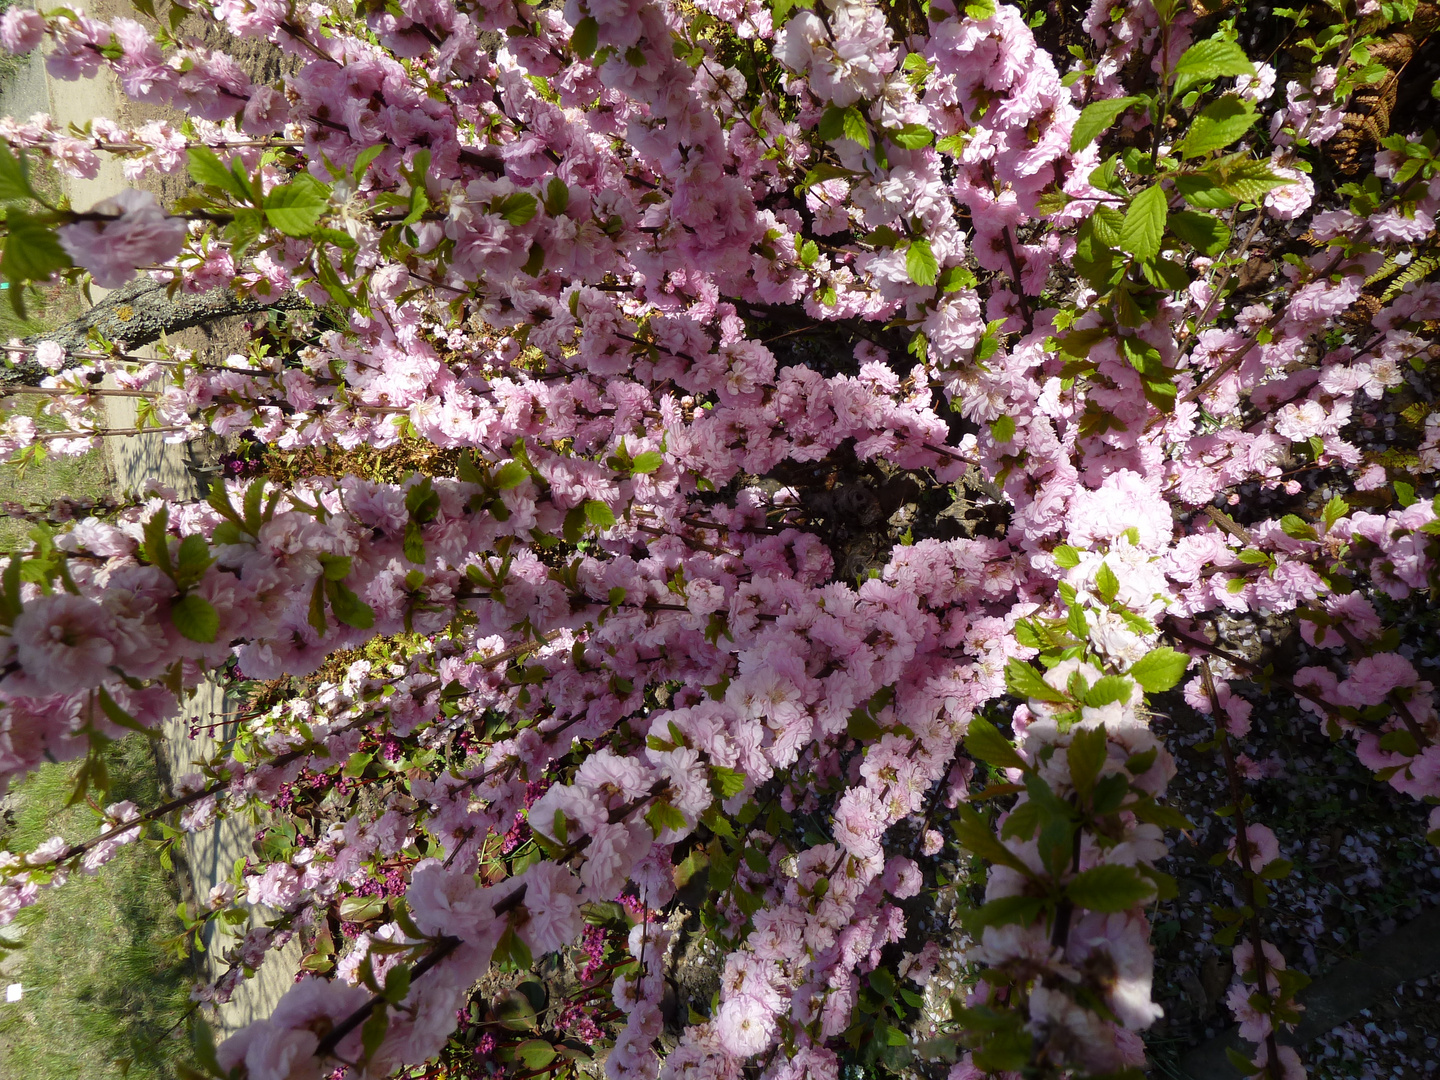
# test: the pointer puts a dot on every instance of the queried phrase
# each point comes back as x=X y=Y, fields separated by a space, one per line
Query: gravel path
x=134 y=460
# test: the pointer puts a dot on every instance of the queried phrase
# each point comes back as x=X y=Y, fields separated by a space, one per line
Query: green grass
x=100 y=984
x=37 y=484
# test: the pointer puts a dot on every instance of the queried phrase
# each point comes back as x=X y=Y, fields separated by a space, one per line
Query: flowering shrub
x=700 y=297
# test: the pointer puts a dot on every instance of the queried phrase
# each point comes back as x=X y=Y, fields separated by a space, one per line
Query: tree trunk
x=138 y=313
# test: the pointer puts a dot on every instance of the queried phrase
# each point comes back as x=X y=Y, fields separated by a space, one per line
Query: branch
x=139 y=312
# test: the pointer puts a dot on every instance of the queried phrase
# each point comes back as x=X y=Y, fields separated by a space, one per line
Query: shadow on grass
x=101 y=984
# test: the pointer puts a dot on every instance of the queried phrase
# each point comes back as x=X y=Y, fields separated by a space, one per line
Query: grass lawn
x=100 y=984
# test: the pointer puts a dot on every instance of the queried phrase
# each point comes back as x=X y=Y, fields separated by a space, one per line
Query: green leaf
x=855 y=128
x=32 y=251
x=1210 y=59
x=193 y=560
x=599 y=514
x=120 y=718
x=1248 y=180
x=362 y=909
x=315 y=616
x=1022 y=680
x=1166 y=817
x=414 y=542
x=349 y=608
x=1203 y=232
x=207 y=168
x=1109 y=688
x=535 y=1053
x=585 y=37
x=1110 y=888
x=984 y=743
x=1160 y=669
x=1106 y=583
x=1004 y=910
x=372 y=1032
x=1144 y=223
x=202 y=1040
x=14 y=181
x=364 y=158
x=921 y=264
x=975 y=836
x=1219 y=125
x=335 y=567
x=573 y=527
x=728 y=781
x=1335 y=509
x=557 y=197
x=518 y=208
x=912 y=136
x=1003 y=429
x=1297 y=528
x=1086 y=756
x=511 y=475
x=295 y=208
x=1201 y=190
x=1066 y=556
x=662 y=816
x=195 y=618
x=647 y=462
x=1096 y=117
x=862 y=726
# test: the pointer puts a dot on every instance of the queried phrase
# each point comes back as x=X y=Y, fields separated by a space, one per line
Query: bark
x=139 y=312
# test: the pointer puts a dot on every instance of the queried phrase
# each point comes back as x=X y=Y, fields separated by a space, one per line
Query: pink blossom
x=22 y=29
x=140 y=234
x=63 y=643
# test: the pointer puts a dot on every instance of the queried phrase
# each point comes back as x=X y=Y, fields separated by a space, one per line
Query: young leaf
x=32 y=251
x=921 y=264
x=1022 y=680
x=1144 y=225
x=349 y=608
x=1219 y=125
x=585 y=37
x=1210 y=59
x=557 y=197
x=14 y=183
x=511 y=475
x=1096 y=117
x=1066 y=556
x=207 y=168
x=1201 y=190
x=854 y=126
x=195 y=618
x=985 y=743
x=1110 y=888
x=1205 y=233
x=1106 y=583
x=1297 y=528
x=1247 y=181
x=599 y=514
x=1086 y=757
x=517 y=209
x=295 y=208
x=1109 y=688
x=1160 y=669
x=912 y=136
